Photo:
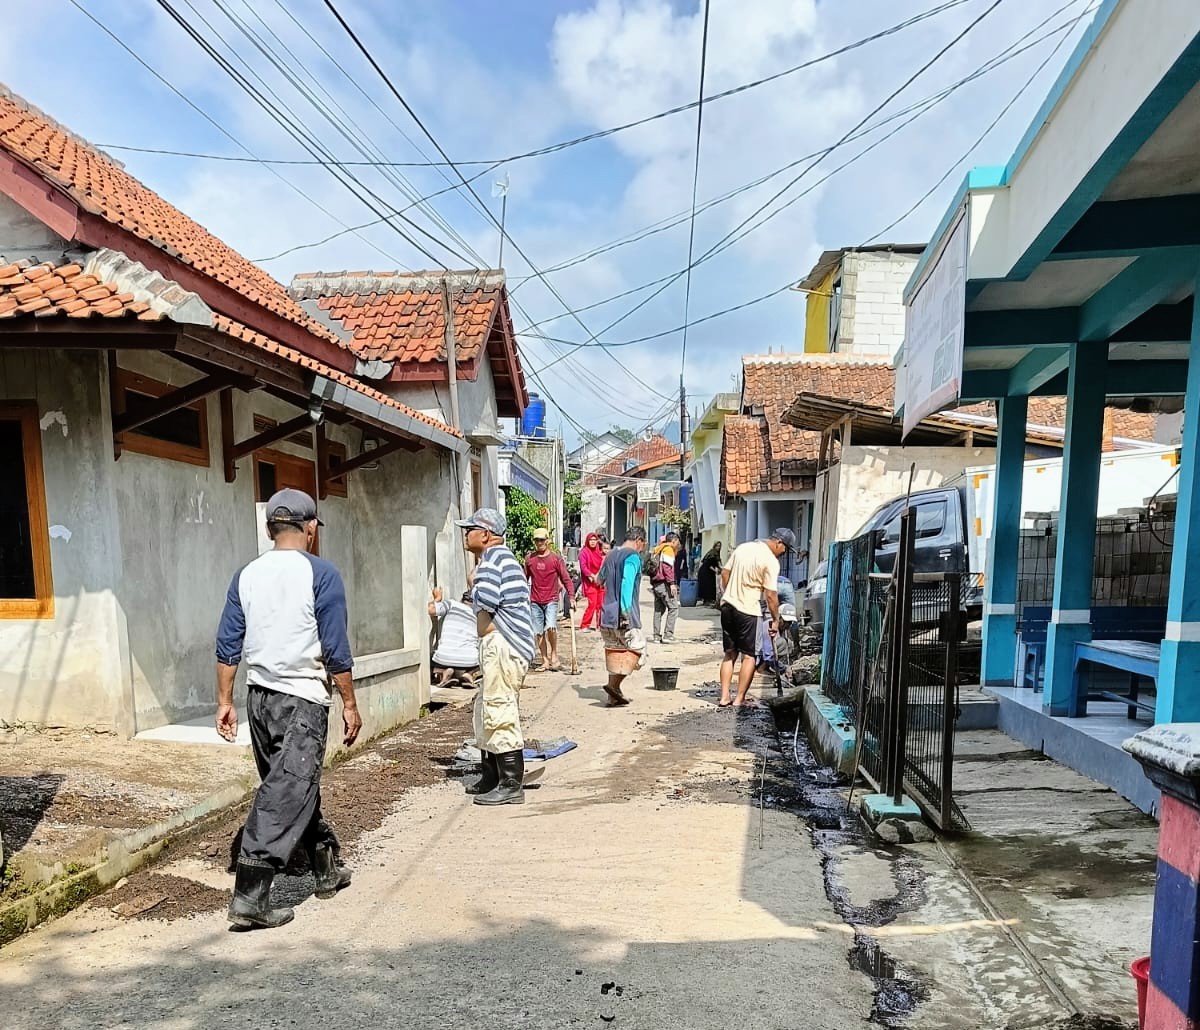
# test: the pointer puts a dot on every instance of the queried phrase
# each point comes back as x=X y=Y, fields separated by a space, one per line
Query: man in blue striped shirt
x=500 y=596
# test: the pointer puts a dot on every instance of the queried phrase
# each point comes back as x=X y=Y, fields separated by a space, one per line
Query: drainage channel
x=796 y=782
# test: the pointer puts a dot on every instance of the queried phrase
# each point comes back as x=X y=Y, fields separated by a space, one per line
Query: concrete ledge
x=1067 y=742
x=877 y=807
x=830 y=730
x=382 y=662
x=120 y=858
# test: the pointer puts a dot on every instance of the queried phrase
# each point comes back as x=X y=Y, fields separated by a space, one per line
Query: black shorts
x=739 y=631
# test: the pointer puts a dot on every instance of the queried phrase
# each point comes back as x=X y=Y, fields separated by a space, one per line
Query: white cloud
x=607 y=63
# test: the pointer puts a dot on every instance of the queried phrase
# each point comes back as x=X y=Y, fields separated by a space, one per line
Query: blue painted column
x=1179 y=665
x=1000 y=607
x=1070 y=619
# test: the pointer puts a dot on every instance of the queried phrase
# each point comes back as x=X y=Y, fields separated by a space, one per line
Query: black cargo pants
x=288 y=735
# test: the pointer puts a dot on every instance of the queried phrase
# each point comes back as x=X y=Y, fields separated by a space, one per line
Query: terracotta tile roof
x=400 y=316
x=257 y=339
x=770 y=384
x=1052 y=411
x=101 y=186
x=65 y=289
x=744 y=456
x=43 y=290
x=643 y=452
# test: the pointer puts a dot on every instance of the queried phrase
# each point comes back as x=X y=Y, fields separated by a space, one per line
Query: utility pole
x=683 y=437
x=500 y=188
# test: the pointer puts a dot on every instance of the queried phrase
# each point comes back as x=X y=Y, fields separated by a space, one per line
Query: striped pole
x=1170 y=756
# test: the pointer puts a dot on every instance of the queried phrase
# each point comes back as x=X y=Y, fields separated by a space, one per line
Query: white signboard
x=647 y=490
x=933 y=332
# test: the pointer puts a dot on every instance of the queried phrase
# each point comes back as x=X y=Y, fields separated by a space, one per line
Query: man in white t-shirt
x=456 y=657
x=749 y=578
x=285 y=619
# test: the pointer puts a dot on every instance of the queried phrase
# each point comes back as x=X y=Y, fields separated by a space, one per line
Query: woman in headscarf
x=591 y=557
x=710 y=566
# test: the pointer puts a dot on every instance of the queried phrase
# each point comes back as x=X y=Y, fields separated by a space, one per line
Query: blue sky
x=496 y=79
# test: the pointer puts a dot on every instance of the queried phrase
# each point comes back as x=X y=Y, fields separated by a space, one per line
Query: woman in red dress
x=590 y=559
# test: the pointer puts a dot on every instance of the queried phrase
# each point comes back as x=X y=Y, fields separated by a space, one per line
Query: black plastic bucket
x=665 y=679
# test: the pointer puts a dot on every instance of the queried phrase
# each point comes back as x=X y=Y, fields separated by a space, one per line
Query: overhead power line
x=466 y=184
x=355 y=230
x=587 y=137
x=687 y=293
x=733 y=235
x=1060 y=31
x=279 y=112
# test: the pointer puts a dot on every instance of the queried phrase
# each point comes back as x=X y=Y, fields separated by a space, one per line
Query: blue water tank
x=533 y=422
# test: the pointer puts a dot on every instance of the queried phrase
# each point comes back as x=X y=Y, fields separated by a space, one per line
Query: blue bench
x=1136 y=657
x=1035 y=619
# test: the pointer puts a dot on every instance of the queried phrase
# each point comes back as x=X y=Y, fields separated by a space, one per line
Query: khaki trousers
x=497 y=707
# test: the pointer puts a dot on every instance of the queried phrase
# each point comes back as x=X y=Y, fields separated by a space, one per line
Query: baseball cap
x=787 y=613
x=786 y=537
x=293 y=506
x=541 y=533
x=485 y=518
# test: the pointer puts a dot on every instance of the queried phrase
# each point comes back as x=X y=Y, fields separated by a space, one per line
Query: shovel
x=574 y=670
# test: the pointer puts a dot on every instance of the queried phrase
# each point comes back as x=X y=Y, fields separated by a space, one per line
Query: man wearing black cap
x=748 y=579
x=285 y=616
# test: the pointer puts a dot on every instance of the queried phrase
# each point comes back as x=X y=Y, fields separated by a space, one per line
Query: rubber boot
x=329 y=876
x=251 y=904
x=511 y=789
x=490 y=778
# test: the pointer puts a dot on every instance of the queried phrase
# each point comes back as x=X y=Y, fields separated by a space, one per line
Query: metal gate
x=892 y=646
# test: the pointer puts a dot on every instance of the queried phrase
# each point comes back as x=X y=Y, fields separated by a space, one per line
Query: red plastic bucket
x=1140 y=968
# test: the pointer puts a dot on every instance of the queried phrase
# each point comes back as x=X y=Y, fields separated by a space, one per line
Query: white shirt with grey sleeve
x=285 y=617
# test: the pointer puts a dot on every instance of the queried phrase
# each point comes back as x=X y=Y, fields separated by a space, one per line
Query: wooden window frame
x=41 y=606
x=138 y=443
x=336 y=487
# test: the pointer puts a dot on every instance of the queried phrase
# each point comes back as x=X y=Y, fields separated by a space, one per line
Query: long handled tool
x=574 y=670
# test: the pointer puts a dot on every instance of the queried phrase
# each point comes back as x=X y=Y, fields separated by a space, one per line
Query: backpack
x=651 y=564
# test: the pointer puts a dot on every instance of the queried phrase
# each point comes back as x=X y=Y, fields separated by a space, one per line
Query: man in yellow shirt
x=749 y=577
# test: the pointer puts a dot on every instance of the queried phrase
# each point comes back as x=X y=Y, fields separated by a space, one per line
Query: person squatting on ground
x=620 y=616
x=749 y=577
x=666 y=590
x=591 y=557
x=548 y=577
x=285 y=616
x=456 y=657
x=500 y=596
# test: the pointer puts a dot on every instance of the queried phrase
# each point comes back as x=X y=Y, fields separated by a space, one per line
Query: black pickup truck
x=941 y=544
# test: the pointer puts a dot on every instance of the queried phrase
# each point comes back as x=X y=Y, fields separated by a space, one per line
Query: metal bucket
x=665 y=679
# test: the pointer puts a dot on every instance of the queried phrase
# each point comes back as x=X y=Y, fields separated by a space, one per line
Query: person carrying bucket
x=620 y=615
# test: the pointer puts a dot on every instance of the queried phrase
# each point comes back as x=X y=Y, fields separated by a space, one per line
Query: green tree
x=572 y=498
x=524 y=514
x=626 y=436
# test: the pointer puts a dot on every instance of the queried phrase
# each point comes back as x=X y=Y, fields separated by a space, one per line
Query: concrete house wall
x=872 y=308
x=143 y=550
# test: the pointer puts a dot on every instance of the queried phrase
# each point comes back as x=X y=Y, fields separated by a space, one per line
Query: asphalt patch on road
x=162 y=896
x=357 y=795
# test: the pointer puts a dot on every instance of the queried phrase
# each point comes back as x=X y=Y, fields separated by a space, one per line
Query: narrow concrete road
x=630 y=890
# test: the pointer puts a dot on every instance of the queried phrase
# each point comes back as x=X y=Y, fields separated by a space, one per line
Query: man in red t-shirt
x=547 y=574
